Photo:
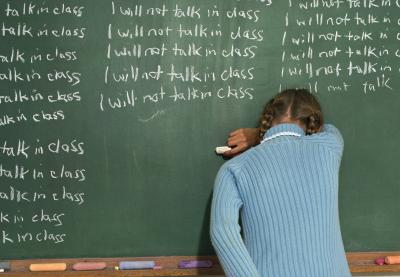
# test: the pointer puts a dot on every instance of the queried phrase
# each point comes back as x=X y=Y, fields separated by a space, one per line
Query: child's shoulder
x=329 y=136
x=328 y=131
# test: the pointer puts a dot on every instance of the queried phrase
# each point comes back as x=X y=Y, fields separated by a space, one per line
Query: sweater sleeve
x=225 y=228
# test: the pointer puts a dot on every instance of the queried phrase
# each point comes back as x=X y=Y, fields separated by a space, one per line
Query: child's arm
x=225 y=229
x=242 y=139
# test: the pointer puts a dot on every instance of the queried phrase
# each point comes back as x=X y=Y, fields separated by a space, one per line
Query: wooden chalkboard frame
x=365 y=231
x=359 y=262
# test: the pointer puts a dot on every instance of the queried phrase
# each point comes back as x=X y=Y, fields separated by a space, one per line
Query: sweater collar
x=284 y=129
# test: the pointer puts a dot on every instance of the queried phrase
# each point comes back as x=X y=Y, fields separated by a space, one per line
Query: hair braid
x=267 y=118
x=313 y=123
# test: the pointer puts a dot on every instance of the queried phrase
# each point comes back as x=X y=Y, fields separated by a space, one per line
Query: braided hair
x=295 y=104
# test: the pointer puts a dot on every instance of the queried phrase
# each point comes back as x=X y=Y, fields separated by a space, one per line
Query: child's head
x=293 y=106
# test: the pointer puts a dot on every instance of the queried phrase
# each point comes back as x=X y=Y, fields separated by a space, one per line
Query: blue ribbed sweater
x=286 y=192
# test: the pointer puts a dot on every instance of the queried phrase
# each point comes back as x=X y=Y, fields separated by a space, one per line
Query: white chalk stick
x=222 y=149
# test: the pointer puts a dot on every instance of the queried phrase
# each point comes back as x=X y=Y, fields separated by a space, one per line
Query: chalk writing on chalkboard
x=302 y=57
x=43 y=82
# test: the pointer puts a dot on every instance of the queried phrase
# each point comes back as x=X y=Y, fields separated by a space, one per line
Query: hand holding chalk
x=222 y=149
x=242 y=139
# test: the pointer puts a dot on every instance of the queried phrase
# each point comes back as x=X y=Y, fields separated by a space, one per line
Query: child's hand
x=242 y=139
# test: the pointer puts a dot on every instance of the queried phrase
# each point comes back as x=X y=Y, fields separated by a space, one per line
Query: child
x=286 y=190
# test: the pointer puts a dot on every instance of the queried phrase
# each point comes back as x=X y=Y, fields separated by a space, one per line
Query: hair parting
x=294 y=104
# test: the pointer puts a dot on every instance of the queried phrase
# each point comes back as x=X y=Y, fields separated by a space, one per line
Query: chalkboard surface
x=110 y=112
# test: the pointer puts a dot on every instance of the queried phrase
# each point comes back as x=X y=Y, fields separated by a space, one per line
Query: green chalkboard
x=110 y=112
